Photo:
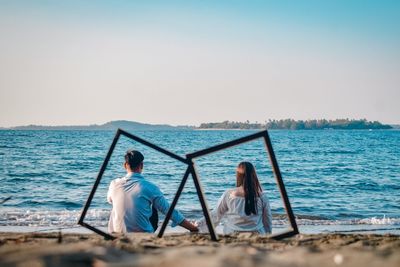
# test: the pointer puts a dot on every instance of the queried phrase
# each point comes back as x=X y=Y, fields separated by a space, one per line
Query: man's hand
x=189 y=226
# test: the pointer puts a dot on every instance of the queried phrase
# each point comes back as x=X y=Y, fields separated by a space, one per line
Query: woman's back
x=236 y=219
x=244 y=208
x=230 y=210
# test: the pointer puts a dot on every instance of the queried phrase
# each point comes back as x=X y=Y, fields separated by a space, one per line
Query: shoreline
x=244 y=249
x=377 y=229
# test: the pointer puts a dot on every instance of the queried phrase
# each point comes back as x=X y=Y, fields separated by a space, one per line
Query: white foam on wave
x=99 y=217
x=366 y=221
x=378 y=221
x=36 y=218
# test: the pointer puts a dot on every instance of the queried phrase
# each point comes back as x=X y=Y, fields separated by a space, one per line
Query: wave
x=54 y=203
x=35 y=218
x=384 y=221
x=366 y=221
x=99 y=217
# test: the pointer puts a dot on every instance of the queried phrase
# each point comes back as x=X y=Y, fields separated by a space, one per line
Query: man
x=133 y=198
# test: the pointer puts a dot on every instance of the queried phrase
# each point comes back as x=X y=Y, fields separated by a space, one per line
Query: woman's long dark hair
x=246 y=176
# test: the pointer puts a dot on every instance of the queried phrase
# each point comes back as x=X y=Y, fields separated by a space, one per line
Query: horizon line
x=185 y=125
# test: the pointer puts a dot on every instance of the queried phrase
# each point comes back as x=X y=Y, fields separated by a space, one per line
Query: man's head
x=133 y=161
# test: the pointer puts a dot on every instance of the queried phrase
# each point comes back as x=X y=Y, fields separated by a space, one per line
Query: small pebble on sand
x=338 y=259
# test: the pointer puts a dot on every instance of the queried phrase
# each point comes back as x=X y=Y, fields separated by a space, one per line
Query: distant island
x=109 y=126
x=287 y=124
x=290 y=124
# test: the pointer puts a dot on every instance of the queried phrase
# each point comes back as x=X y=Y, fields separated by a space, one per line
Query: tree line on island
x=287 y=124
x=290 y=124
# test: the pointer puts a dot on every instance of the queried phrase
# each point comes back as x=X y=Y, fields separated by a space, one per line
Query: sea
x=345 y=181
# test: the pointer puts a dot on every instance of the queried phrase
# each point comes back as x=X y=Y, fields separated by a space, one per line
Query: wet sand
x=178 y=250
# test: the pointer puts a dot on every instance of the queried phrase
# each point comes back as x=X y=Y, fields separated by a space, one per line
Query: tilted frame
x=278 y=177
x=190 y=170
x=155 y=147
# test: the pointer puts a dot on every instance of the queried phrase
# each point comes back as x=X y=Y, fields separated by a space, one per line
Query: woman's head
x=246 y=177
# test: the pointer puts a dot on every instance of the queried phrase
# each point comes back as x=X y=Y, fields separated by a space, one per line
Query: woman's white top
x=230 y=211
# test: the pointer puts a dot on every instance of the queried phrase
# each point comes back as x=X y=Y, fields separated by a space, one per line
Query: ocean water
x=346 y=181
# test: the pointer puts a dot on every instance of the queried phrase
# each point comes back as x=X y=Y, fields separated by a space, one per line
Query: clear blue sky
x=187 y=62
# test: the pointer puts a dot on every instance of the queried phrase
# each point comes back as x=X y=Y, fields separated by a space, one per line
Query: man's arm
x=161 y=204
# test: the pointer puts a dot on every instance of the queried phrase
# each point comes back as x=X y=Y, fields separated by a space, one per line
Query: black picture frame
x=190 y=170
x=103 y=167
x=275 y=167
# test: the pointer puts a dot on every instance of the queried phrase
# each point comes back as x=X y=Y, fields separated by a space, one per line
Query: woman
x=244 y=208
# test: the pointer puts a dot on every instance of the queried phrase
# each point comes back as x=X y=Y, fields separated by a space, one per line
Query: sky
x=188 y=62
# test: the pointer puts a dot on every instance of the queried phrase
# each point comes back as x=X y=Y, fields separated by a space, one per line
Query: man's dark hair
x=133 y=158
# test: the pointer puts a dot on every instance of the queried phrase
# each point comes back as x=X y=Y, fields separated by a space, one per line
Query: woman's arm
x=217 y=214
x=109 y=192
x=267 y=215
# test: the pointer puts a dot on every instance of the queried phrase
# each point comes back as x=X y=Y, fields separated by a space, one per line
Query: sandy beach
x=53 y=249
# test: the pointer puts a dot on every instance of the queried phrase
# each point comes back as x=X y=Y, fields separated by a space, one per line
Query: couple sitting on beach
x=136 y=201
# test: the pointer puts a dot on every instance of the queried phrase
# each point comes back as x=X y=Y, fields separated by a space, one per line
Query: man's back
x=132 y=198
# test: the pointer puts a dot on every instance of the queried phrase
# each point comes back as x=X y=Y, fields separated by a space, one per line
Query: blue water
x=332 y=177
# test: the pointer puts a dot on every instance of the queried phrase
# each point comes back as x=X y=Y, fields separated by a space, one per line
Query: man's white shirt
x=132 y=197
